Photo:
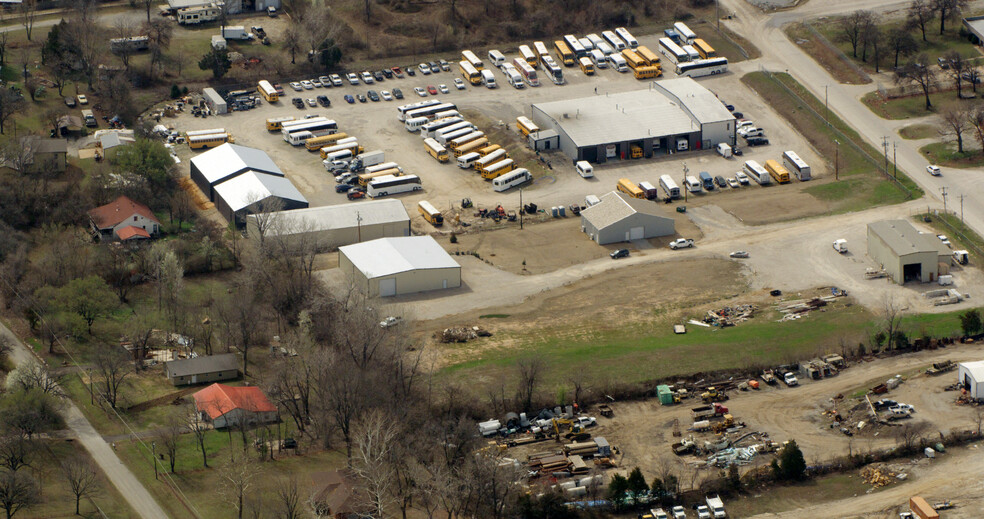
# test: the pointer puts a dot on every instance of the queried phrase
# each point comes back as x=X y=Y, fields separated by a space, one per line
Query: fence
x=876 y=162
x=725 y=36
x=967 y=242
x=833 y=48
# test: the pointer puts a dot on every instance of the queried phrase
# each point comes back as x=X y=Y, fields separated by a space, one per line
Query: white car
x=316 y=83
x=353 y=79
x=945 y=240
x=420 y=91
x=311 y=102
x=743 y=123
x=585 y=421
x=934 y=170
x=790 y=379
x=742 y=178
x=459 y=84
x=424 y=69
x=367 y=78
x=343 y=177
x=739 y=254
x=681 y=243
x=386 y=95
x=325 y=81
x=390 y=321
x=443 y=88
x=82 y=99
x=336 y=80
x=902 y=408
x=679 y=512
x=307 y=84
x=732 y=183
x=296 y=86
x=703 y=512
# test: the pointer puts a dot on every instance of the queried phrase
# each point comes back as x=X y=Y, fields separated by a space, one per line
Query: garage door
x=637 y=233
x=387 y=287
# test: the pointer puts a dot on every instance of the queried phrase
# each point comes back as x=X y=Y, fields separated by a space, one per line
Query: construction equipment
x=466 y=203
x=723 y=425
x=686 y=446
x=605 y=410
x=712 y=394
x=941 y=367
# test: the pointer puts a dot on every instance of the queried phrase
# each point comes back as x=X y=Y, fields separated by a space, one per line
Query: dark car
x=944 y=63
x=731 y=108
x=378 y=75
x=355 y=194
x=621 y=253
x=349 y=99
x=435 y=68
x=289 y=443
x=361 y=98
x=445 y=66
x=397 y=93
x=738 y=115
x=388 y=73
x=410 y=70
x=279 y=89
x=325 y=102
x=70 y=102
x=373 y=95
x=397 y=71
x=431 y=90
x=736 y=151
x=720 y=181
x=757 y=141
x=343 y=187
x=297 y=102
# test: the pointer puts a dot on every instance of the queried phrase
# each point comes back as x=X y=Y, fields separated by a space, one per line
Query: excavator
x=575 y=433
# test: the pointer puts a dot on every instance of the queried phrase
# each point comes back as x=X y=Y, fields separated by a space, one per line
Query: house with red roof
x=228 y=406
x=123 y=219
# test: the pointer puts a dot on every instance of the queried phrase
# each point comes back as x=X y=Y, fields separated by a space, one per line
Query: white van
x=488 y=79
x=342 y=155
x=598 y=58
x=618 y=62
x=515 y=78
x=591 y=200
x=584 y=168
x=496 y=57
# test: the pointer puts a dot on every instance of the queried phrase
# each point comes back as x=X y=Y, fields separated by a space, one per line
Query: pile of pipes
x=588 y=448
x=549 y=463
x=580 y=486
x=732 y=456
x=462 y=334
x=799 y=307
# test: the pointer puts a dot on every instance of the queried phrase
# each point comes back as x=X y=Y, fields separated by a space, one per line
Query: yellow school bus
x=276 y=124
x=630 y=188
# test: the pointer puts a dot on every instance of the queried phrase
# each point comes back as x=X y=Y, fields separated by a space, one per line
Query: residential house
x=228 y=406
x=123 y=219
x=46 y=154
x=204 y=368
x=335 y=495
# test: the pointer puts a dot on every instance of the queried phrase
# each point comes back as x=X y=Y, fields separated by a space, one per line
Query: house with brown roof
x=335 y=495
x=227 y=406
x=46 y=154
x=123 y=219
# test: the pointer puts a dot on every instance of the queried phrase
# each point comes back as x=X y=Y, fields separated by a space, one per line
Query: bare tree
x=375 y=439
x=958 y=68
x=28 y=10
x=83 y=479
x=170 y=435
x=124 y=30
x=874 y=37
x=973 y=75
x=977 y=122
x=918 y=72
x=909 y=435
x=11 y=103
x=292 y=42
x=34 y=375
x=870 y=35
x=18 y=490
x=530 y=371
x=199 y=428
x=240 y=315
x=16 y=451
x=147 y=4
x=239 y=475
x=113 y=366
x=947 y=9
x=852 y=31
x=892 y=314
x=289 y=496
x=955 y=121
x=920 y=13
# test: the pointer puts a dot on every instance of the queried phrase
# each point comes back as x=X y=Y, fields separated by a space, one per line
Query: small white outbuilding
x=970 y=376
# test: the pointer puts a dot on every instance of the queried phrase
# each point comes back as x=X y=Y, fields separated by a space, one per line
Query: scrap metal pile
x=730 y=315
x=463 y=334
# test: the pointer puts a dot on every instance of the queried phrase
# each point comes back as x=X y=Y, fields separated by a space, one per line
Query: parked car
x=756 y=141
x=902 y=408
x=279 y=89
x=355 y=194
x=70 y=102
x=790 y=379
x=344 y=177
x=316 y=83
x=435 y=68
x=934 y=170
x=397 y=71
x=621 y=253
x=373 y=95
x=459 y=84
x=397 y=93
x=343 y=188
x=325 y=102
x=742 y=178
x=738 y=115
x=349 y=99
x=367 y=77
x=681 y=243
x=445 y=65
x=361 y=98
x=296 y=86
x=336 y=80
x=431 y=90
x=731 y=108
x=443 y=88
x=386 y=95
x=973 y=78
x=585 y=421
x=325 y=81
x=732 y=183
x=679 y=512
x=739 y=254
x=703 y=512
x=390 y=321
x=944 y=63
x=410 y=71
x=420 y=91
x=424 y=69
x=387 y=73
x=82 y=99
x=297 y=102
x=312 y=102
x=719 y=180
x=307 y=84
x=353 y=79
x=378 y=76
x=945 y=240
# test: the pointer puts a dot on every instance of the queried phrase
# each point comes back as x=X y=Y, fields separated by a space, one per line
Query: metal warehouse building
x=215 y=101
x=620 y=218
x=970 y=376
x=333 y=226
x=254 y=192
x=398 y=266
x=227 y=161
x=672 y=115
x=905 y=253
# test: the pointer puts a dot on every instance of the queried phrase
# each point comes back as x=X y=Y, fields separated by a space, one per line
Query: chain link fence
x=833 y=48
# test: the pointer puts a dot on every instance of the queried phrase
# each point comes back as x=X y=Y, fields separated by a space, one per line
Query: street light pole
x=837 y=160
x=153 y=446
x=825 y=105
x=943 y=191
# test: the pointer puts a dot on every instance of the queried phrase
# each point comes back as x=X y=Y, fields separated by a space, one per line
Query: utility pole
x=895 y=163
x=885 y=147
x=961 y=208
x=837 y=159
x=717 y=13
x=685 y=189
x=826 y=106
x=943 y=190
x=153 y=446
x=521 y=210
x=358 y=220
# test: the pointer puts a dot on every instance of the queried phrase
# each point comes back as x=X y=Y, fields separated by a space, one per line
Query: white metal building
x=905 y=253
x=227 y=161
x=333 y=226
x=254 y=192
x=231 y=6
x=214 y=101
x=619 y=217
x=715 y=122
x=399 y=266
x=970 y=376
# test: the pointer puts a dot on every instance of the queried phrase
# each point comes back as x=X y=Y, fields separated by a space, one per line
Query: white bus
x=298 y=122
x=213 y=131
x=391 y=185
x=402 y=110
x=595 y=40
x=497 y=58
x=692 y=53
x=430 y=111
x=498 y=169
x=598 y=58
x=614 y=40
x=669 y=187
x=467 y=160
x=491 y=158
x=445 y=114
x=511 y=179
x=575 y=46
x=383 y=167
x=796 y=165
x=541 y=49
x=553 y=70
x=414 y=124
x=446 y=137
x=672 y=51
x=526 y=70
x=606 y=49
x=627 y=37
x=298 y=133
x=460 y=125
x=703 y=67
x=685 y=33
x=432 y=127
x=757 y=172
x=617 y=62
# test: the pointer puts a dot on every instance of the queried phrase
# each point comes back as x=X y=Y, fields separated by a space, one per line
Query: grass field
x=946 y=154
x=800 y=35
x=861 y=184
x=910 y=107
x=788 y=497
x=57 y=499
x=721 y=44
x=919 y=131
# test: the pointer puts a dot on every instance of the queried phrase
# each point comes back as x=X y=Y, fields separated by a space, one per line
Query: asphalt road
x=119 y=475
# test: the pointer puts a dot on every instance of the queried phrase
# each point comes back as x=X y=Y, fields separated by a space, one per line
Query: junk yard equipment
x=769 y=377
x=709 y=411
x=684 y=447
x=941 y=367
x=712 y=394
x=921 y=508
x=605 y=410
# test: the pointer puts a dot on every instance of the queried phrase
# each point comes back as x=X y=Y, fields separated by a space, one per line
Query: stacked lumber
x=581 y=448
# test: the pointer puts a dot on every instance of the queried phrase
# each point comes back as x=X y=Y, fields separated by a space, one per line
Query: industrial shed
x=399 y=266
x=227 y=161
x=333 y=226
x=619 y=217
x=907 y=254
x=254 y=192
x=970 y=376
x=215 y=101
x=204 y=368
x=670 y=116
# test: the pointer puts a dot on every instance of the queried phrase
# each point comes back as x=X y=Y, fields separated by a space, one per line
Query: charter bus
x=526 y=126
x=630 y=188
x=383 y=167
x=685 y=33
x=445 y=114
x=468 y=159
x=541 y=50
x=705 y=50
x=210 y=140
x=499 y=168
x=440 y=153
x=511 y=179
x=491 y=158
x=267 y=91
x=526 y=70
x=213 y=131
x=297 y=134
x=528 y=55
x=470 y=73
x=430 y=213
x=470 y=57
x=647 y=72
x=277 y=123
x=649 y=56
x=575 y=46
x=553 y=70
x=564 y=53
x=703 y=67
x=430 y=111
x=402 y=110
x=633 y=59
x=757 y=172
x=614 y=40
x=796 y=165
x=489 y=149
x=349 y=143
x=432 y=127
x=777 y=172
x=445 y=137
x=673 y=51
x=595 y=40
x=471 y=147
x=316 y=143
x=669 y=186
x=627 y=37
x=367 y=177
x=296 y=122
x=586 y=66
x=390 y=185
x=461 y=125
x=465 y=139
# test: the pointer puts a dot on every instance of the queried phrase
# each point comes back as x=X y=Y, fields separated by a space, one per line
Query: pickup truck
x=790 y=379
x=717 y=506
x=681 y=243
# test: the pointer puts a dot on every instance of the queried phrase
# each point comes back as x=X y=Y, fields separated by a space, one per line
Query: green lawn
x=910 y=107
x=57 y=499
x=919 y=131
x=946 y=154
x=789 y=497
x=824 y=55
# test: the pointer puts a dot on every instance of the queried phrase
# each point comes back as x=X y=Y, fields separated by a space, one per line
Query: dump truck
x=708 y=411
x=717 y=506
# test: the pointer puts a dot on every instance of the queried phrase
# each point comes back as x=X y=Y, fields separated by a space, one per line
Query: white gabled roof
x=976 y=369
x=615 y=207
x=343 y=216
x=229 y=159
x=388 y=256
x=252 y=186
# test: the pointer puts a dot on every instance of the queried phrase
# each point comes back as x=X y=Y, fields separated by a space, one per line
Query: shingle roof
x=388 y=256
x=251 y=187
x=903 y=238
x=343 y=216
x=202 y=364
x=113 y=213
x=228 y=159
x=130 y=232
x=218 y=399
x=615 y=206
